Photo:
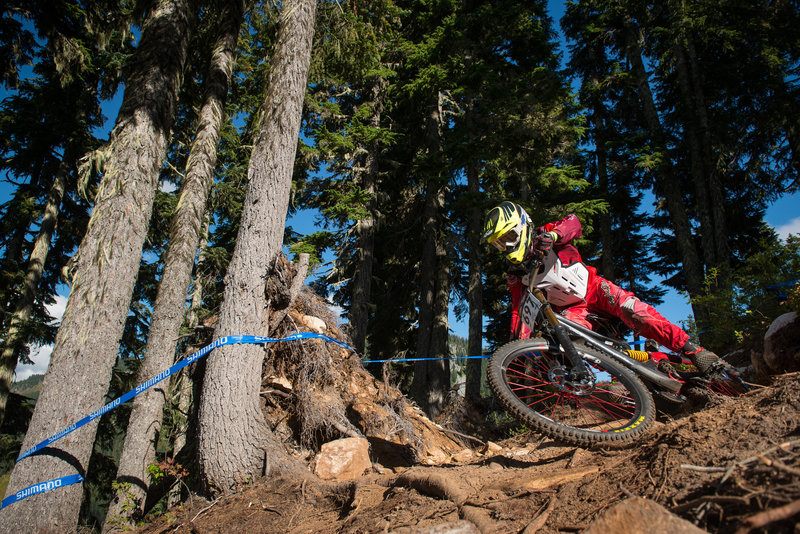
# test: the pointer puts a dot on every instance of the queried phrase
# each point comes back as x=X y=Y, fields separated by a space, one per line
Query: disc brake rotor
x=559 y=377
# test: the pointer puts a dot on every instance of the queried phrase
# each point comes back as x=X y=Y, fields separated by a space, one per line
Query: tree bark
x=432 y=378
x=235 y=444
x=183 y=390
x=601 y=156
x=697 y=166
x=715 y=188
x=362 y=280
x=106 y=264
x=692 y=270
x=439 y=371
x=472 y=387
x=168 y=311
x=33 y=274
x=792 y=134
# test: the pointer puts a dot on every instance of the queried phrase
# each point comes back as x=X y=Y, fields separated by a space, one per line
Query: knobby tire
x=528 y=378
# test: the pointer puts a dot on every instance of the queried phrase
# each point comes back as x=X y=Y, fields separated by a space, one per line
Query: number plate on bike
x=529 y=309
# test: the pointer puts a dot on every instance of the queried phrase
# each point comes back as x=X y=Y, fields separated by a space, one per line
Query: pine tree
x=104 y=272
x=235 y=443
x=168 y=311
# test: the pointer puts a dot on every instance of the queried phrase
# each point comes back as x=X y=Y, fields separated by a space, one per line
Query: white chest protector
x=562 y=285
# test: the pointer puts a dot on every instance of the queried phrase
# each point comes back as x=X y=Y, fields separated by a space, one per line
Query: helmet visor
x=509 y=239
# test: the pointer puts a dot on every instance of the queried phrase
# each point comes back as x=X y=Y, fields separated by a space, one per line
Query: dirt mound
x=716 y=468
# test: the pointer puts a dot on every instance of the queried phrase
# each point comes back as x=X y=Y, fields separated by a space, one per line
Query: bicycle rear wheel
x=530 y=379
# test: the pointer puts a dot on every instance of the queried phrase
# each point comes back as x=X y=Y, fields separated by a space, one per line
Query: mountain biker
x=509 y=229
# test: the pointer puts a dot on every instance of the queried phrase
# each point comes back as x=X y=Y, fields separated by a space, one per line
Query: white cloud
x=40 y=354
x=56 y=310
x=167 y=186
x=789 y=227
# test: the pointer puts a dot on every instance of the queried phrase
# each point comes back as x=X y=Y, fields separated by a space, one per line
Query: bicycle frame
x=596 y=341
x=559 y=326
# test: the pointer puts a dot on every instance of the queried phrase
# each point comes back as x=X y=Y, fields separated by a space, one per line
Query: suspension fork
x=579 y=370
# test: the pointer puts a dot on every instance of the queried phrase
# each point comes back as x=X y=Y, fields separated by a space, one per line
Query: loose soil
x=716 y=467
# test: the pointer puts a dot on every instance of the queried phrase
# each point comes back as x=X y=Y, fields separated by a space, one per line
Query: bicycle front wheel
x=530 y=378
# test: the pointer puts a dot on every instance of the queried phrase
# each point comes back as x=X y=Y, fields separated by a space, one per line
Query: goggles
x=509 y=240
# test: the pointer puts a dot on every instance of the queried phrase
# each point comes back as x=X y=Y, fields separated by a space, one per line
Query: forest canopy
x=667 y=128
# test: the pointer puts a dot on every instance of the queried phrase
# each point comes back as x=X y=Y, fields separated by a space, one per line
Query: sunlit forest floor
x=718 y=466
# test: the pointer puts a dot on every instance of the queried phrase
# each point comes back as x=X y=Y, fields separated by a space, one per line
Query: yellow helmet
x=507 y=229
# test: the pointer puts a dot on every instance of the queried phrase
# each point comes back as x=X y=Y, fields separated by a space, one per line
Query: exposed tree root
x=541 y=519
x=767 y=517
x=442 y=486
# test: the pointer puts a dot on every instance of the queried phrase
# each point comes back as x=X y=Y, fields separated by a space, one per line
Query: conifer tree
x=347 y=122
x=704 y=122
x=43 y=140
x=168 y=311
x=235 y=443
x=103 y=274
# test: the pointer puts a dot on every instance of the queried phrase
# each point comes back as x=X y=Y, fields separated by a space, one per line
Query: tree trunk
x=439 y=371
x=235 y=444
x=183 y=389
x=362 y=280
x=472 y=389
x=185 y=385
x=105 y=272
x=697 y=166
x=670 y=184
x=168 y=311
x=792 y=135
x=715 y=188
x=432 y=378
x=13 y=255
x=33 y=274
x=606 y=232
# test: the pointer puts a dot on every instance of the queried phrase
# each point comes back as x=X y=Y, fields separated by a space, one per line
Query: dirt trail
x=716 y=468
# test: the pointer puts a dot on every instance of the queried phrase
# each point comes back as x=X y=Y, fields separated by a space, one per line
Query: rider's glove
x=544 y=242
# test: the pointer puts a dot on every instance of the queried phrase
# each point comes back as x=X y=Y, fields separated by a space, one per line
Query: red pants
x=606 y=298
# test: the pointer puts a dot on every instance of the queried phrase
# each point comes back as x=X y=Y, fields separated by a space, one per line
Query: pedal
x=675 y=398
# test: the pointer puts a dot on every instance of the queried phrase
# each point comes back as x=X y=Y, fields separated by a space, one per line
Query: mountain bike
x=584 y=386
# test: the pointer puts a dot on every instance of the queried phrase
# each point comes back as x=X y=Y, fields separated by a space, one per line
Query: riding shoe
x=708 y=363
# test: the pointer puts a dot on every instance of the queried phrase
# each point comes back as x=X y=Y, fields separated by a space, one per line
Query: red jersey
x=567 y=229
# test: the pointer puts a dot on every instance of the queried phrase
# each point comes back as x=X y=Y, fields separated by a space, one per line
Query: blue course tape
x=427 y=359
x=74 y=479
x=41 y=488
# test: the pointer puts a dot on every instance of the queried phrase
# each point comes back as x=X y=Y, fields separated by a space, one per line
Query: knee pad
x=635 y=309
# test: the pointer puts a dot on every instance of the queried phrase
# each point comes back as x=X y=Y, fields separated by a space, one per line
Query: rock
x=279 y=382
x=435 y=457
x=343 y=459
x=314 y=323
x=782 y=344
x=491 y=448
x=637 y=515
x=463 y=456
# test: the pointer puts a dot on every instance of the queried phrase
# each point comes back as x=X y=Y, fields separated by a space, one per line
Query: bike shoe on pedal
x=708 y=363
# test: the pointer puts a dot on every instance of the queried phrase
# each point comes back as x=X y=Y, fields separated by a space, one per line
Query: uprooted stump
x=314 y=392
